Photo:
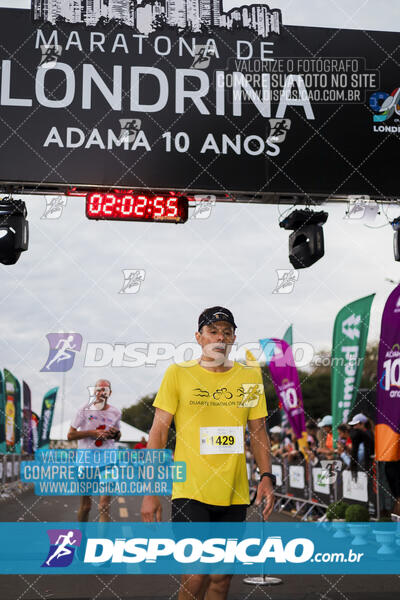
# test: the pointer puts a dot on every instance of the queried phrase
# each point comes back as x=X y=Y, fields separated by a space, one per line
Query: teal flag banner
x=350 y=334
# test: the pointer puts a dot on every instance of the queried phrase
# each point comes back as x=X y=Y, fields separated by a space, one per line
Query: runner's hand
x=151 y=509
x=112 y=432
x=100 y=434
x=265 y=491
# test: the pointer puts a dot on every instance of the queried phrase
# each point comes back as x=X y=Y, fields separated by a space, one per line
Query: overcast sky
x=70 y=278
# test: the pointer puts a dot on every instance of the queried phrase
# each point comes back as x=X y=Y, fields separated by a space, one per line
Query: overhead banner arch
x=179 y=95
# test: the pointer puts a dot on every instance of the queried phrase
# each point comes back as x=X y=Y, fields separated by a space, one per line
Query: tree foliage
x=141 y=415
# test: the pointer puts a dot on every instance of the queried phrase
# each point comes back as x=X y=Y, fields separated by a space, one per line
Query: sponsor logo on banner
x=277 y=471
x=320 y=484
x=386 y=106
x=297 y=477
x=390 y=379
x=355 y=489
x=46 y=421
x=63 y=543
x=349 y=327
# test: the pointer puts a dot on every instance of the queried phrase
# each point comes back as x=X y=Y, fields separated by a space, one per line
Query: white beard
x=96 y=405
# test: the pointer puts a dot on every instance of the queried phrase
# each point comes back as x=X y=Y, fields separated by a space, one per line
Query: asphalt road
x=30 y=508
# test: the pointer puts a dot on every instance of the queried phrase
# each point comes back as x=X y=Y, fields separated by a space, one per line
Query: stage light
x=306 y=243
x=14 y=231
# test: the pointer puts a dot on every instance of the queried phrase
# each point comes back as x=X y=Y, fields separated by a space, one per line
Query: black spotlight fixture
x=14 y=231
x=306 y=243
x=396 y=238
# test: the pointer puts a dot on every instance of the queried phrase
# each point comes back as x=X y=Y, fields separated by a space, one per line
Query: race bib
x=221 y=440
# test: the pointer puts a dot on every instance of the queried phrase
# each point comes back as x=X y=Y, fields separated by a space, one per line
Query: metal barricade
x=10 y=468
x=307 y=486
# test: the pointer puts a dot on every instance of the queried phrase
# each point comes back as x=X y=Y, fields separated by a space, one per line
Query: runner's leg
x=193 y=587
x=218 y=585
x=84 y=508
x=104 y=509
x=183 y=510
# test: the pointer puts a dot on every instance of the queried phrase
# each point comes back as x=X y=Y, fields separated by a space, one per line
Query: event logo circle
x=376 y=100
x=385 y=104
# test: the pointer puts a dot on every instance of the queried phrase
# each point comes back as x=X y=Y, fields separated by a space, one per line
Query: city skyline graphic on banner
x=196 y=16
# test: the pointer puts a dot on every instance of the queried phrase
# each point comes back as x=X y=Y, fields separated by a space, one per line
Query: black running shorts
x=185 y=510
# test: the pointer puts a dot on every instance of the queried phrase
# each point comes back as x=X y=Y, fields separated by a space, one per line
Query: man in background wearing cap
x=212 y=400
x=362 y=443
x=96 y=425
x=359 y=421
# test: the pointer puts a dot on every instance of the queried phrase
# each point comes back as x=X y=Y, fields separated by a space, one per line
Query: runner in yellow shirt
x=212 y=400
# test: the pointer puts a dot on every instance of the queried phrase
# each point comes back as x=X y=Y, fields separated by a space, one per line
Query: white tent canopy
x=59 y=432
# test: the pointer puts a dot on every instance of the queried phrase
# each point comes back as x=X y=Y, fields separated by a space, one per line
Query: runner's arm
x=158 y=436
x=261 y=449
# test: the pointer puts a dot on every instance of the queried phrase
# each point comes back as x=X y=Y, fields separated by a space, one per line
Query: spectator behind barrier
x=291 y=448
x=344 y=444
x=325 y=449
x=362 y=440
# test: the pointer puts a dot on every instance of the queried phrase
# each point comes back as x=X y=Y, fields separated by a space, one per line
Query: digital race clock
x=130 y=206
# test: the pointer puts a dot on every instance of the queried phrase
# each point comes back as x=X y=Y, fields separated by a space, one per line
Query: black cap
x=214 y=314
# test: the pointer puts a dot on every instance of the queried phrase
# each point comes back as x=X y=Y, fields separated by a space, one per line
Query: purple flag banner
x=27 y=419
x=387 y=430
x=287 y=385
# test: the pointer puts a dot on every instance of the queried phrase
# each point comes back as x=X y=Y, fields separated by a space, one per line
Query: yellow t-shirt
x=211 y=411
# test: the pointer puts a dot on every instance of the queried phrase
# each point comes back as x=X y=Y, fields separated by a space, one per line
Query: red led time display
x=129 y=206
